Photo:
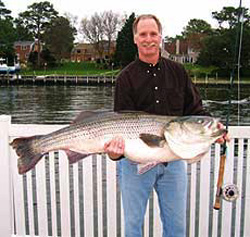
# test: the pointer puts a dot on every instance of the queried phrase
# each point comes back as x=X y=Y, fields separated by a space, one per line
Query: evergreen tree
x=36 y=19
x=126 y=50
x=59 y=37
x=220 y=48
x=7 y=34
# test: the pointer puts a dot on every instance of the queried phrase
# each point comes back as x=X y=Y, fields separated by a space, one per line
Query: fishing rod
x=230 y=192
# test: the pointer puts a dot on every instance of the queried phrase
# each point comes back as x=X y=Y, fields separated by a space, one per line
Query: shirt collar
x=148 y=65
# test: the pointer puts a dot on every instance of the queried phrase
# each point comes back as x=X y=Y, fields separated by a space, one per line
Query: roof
x=23 y=43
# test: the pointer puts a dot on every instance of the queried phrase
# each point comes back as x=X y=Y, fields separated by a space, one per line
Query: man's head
x=146 y=16
x=147 y=31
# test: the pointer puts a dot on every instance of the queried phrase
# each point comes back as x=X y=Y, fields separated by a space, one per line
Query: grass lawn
x=69 y=68
x=90 y=68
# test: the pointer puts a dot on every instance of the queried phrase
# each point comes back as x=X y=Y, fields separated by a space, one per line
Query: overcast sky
x=174 y=14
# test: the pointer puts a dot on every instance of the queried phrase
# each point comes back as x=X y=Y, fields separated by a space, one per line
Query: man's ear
x=135 y=40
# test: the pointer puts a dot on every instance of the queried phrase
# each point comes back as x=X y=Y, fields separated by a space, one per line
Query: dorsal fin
x=89 y=114
x=132 y=112
x=83 y=115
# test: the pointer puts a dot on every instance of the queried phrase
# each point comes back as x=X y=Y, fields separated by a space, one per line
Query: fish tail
x=28 y=153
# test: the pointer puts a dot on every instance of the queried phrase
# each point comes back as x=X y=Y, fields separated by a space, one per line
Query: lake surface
x=60 y=104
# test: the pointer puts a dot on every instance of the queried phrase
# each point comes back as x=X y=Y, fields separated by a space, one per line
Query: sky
x=174 y=14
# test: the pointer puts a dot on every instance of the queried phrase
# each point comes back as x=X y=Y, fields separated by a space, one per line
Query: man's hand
x=115 y=148
x=225 y=137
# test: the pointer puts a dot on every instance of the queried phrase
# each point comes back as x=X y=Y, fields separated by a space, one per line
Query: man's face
x=147 y=38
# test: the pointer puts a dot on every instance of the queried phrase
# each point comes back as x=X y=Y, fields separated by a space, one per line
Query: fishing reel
x=230 y=192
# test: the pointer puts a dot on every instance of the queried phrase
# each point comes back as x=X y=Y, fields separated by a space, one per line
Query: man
x=155 y=85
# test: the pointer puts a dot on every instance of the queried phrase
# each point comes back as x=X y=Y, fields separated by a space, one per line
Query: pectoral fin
x=143 y=168
x=152 y=140
x=74 y=156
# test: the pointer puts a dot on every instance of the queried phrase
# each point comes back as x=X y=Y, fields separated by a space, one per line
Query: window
x=24 y=47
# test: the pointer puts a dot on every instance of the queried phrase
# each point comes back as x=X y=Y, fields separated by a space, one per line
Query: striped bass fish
x=149 y=139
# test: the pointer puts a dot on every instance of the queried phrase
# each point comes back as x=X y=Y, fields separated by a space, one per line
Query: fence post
x=5 y=178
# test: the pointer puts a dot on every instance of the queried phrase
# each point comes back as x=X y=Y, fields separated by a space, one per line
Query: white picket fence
x=58 y=199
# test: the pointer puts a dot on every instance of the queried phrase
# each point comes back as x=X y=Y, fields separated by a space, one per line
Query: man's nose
x=148 y=37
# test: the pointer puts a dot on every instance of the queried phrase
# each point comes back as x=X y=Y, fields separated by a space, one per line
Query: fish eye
x=200 y=120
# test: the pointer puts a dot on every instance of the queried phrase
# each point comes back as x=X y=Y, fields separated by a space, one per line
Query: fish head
x=198 y=126
x=194 y=134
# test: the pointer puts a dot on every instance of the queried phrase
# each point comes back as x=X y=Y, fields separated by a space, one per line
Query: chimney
x=177 y=46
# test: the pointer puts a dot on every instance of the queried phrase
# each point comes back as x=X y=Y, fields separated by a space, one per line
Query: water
x=60 y=104
x=52 y=104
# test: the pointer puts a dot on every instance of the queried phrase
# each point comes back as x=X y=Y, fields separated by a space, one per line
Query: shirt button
x=158 y=69
x=156 y=88
x=157 y=101
x=154 y=75
x=147 y=71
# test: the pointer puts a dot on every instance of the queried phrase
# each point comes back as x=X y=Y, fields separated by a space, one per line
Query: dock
x=65 y=79
x=57 y=79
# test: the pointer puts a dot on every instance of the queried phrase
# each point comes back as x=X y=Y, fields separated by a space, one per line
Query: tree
x=222 y=47
x=47 y=60
x=4 y=12
x=36 y=19
x=7 y=34
x=22 y=33
x=195 y=31
x=93 y=31
x=229 y=16
x=59 y=37
x=197 y=26
x=126 y=50
x=111 y=23
x=99 y=28
x=219 y=50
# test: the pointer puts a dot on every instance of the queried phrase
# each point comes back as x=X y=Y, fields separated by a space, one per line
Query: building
x=22 y=49
x=181 y=51
x=83 y=52
x=88 y=52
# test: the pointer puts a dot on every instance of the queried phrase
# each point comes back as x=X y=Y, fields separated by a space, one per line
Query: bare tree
x=100 y=27
x=112 y=23
x=73 y=19
x=93 y=32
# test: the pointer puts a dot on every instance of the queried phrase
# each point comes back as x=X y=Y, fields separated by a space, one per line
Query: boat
x=5 y=69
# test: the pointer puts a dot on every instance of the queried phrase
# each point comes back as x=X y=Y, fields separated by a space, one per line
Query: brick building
x=22 y=49
x=87 y=52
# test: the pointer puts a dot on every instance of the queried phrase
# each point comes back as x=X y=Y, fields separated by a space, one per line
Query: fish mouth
x=220 y=132
x=210 y=124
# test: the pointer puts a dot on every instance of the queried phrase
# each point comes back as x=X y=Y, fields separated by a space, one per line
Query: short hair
x=146 y=16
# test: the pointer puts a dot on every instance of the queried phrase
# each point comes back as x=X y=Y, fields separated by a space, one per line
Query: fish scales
x=104 y=126
x=149 y=139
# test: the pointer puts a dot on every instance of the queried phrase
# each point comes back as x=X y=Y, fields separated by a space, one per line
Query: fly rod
x=232 y=190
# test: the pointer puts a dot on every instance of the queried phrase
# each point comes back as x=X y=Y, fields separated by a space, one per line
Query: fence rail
x=83 y=199
x=57 y=79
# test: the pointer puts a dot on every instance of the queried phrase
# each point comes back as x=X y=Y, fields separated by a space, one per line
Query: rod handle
x=217 y=203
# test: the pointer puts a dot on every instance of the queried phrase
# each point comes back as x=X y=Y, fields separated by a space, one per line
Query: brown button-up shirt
x=162 y=89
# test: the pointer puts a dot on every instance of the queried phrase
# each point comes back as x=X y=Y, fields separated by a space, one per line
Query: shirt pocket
x=143 y=98
x=174 y=101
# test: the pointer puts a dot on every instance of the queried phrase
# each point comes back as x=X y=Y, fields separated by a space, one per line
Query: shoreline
x=96 y=80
